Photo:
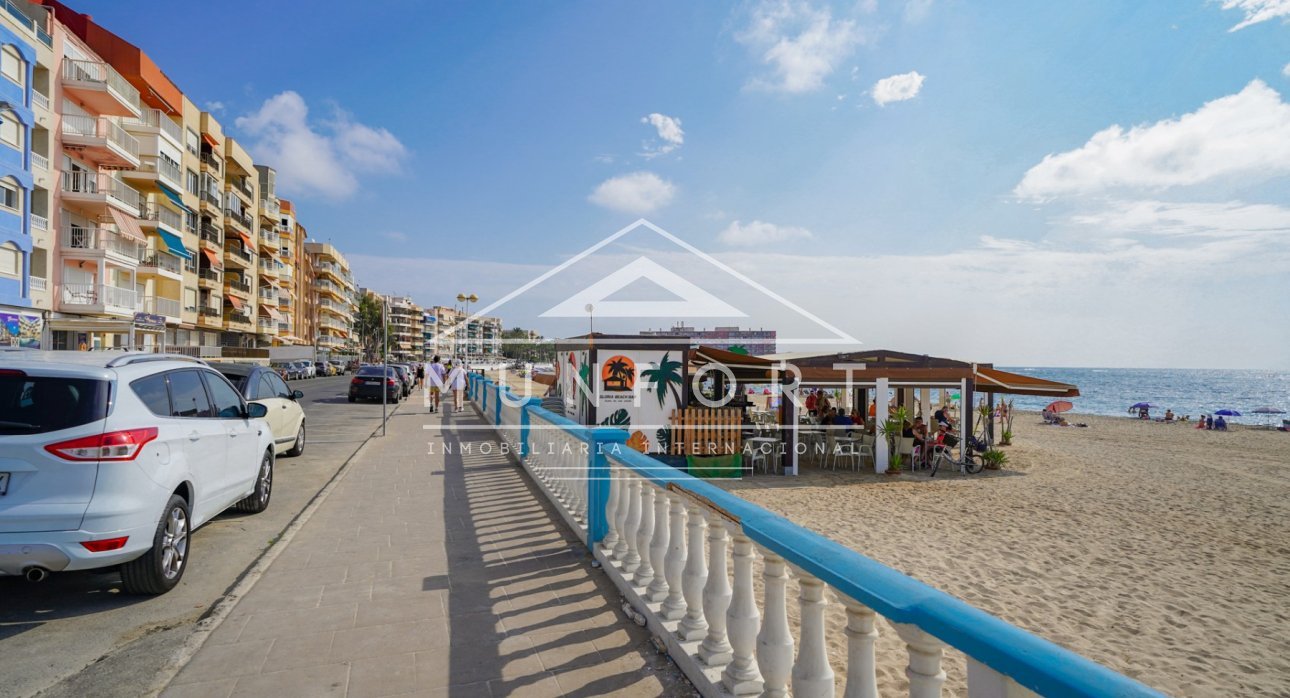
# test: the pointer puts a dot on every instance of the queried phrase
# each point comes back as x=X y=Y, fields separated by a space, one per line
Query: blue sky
x=879 y=159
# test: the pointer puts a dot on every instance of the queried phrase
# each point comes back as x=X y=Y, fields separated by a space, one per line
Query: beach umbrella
x=1267 y=410
x=1143 y=405
x=1227 y=413
x=1060 y=406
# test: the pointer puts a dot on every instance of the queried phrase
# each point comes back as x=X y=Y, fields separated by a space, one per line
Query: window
x=193 y=142
x=190 y=299
x=38 y=404
x=12 y=65
x=152 y=391
x=187 y=396
x=265 y=391
x=279 y=386
x=194 y=184
x=10 y=260
x=11 y=130
x=9 y=197
x=228 y=404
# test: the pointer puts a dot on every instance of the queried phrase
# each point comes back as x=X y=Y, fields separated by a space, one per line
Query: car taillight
x=356 y=381
x=390 y=381
x=114 y=446
x=102 y=546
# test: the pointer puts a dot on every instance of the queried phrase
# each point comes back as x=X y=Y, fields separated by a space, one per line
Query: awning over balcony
x=271 y=312
x=174 y=243
x=174 y=197
x=127 y=225
x=210 y=140
x=234 y=301
x=213 y=259
x=246 y=240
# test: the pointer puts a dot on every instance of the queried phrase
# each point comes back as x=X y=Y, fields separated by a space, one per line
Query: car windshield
x=374 y=371
x=238 y=380
x=38 y=404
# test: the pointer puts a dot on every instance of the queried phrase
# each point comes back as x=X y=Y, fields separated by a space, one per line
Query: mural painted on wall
x=21 y=330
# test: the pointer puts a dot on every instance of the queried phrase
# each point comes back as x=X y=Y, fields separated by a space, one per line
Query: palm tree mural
x=664 y=376
x=619 y=374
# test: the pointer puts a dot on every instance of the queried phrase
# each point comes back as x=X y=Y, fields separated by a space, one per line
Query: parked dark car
x=369 y=381
x=405 y=375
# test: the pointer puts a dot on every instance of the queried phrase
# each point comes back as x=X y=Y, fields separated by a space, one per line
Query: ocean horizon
x=1187 y=391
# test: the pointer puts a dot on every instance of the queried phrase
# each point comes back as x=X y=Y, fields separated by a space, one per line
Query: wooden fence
x=706 y=431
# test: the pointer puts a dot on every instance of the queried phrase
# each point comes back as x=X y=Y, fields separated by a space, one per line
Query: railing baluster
x=694 y=579
x=742 y=676
x=924 y=671
x=715 y=650
x=611 y=509
x=624 y=509
x=862 y=669
x=657 y=590
x=673 y=564
x=775 y=642
x=632 y=559
x=812 y=675
x=645 y=534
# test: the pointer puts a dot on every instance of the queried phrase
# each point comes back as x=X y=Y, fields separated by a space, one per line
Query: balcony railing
x=39 y=161
x=268 y=267
x=100 y=294
x=162 y=260
x=268 y=293
x=153 y=118
x=82 y=182
x=269 y=236
x=270 y=207
x=39 y=100
x=212 y=234
x=211 y=198
x=78 y=237
x=237 y=317
x=38 y=283
x=95 y=71
x=266 y=325
x=238 y=285
x=163 y=168
x=160 y=306
x=239 y=253
x=100 y=127
x=243 y=185
x=209 y=312
x=210 y=275
x=39 y=222
x=239 y=217
x=161 y=214
x=213 y=160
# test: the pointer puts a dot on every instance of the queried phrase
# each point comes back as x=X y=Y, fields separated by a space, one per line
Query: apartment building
x=21 y=269
x=272 y=325
x=333 y=298
x=406 y=323
x=449 y=333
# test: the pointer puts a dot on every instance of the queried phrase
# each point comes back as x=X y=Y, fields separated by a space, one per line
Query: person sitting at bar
x=812 y=401
x=942 y=418
x=918 y=432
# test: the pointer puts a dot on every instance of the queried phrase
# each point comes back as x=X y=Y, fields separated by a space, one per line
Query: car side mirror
x=297 y=395
x=255 y=410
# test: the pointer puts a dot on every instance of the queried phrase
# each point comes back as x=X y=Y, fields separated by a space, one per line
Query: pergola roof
x=992 y=380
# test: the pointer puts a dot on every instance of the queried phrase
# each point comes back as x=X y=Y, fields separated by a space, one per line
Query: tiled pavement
x=430 y=571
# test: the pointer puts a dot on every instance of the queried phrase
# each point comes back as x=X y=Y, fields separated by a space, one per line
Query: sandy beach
x=1156 y=549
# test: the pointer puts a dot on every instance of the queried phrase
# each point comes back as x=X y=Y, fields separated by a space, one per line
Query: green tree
x=367 y=325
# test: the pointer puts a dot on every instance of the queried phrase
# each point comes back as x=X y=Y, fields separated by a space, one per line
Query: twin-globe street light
x=467 y=299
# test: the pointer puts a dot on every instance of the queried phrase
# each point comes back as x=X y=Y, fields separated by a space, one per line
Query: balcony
x=331 y=342
x=210 y=279
x=153 y=122
x=38 y=284
x=101 y=88
x=100 y=190
x=266 y=325
x=39 y=100
x=83 y=241
x=156 y=168
x=237 y=256
x=162 y=264
x=268 y=294
x=210 y=317
x=39 y=161
x=232 y=284
x=284 y=301
x=237 y=320
x=97 y=298
x=268 y=267
x=239 y=218
x=212 y=234
x=210 y=198
x=100 y=140
x=242 y=186
x=151 y=214
x=212 y=162
x=269 y=239
x=168 y=307
x=39 y=222
x=270 y=209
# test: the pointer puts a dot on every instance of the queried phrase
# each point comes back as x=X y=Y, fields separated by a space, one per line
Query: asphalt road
x=76 y=634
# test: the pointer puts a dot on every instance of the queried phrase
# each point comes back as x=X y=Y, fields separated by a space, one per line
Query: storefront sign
x=21 y=330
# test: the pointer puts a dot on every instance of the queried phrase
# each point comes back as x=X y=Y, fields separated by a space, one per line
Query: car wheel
x=352 y=398
x=160 y=569
x=258 y=500
x=299 y=446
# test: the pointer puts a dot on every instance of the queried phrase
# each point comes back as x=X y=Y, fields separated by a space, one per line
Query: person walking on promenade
x=437 y=384
x=457 y=383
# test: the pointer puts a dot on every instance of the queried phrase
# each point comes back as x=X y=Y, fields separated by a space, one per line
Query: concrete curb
x=216 y=615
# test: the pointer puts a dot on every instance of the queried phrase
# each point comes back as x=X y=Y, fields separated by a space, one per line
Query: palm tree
x=664 y=376
x=620 y=374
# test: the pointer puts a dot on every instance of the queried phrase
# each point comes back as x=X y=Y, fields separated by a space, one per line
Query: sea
x=1110 y=391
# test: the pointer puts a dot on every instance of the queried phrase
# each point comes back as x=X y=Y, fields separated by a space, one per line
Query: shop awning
x=127 y=225
x=174 y=197
x=213 y=258
x=174 y=243
x=234 y=301
x=992 y=380
x=210 y=140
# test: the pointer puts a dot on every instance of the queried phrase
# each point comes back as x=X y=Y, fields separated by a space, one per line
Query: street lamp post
x=466 y=300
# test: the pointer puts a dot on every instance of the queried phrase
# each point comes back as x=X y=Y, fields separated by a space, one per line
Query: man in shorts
x=435 y=376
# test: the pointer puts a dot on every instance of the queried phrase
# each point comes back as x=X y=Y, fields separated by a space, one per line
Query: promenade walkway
x=433 y=568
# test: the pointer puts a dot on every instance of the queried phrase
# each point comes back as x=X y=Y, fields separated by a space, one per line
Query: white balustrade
x=715 y=650
x=862 y=669
x=623 y=480
x=775 y=641
x=611 y=511
x=812 y=675
x=657 y=589
x=694 y=578
x=742 y=621
x=924 y=672
x=673 y=607
x=644 y=532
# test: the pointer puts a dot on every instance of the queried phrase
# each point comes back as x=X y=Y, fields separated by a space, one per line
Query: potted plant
x=994 y=459
x=1005 y=439
x=891 y=429
x=895 y=463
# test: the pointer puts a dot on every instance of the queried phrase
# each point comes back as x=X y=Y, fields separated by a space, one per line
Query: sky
x=1075 y=184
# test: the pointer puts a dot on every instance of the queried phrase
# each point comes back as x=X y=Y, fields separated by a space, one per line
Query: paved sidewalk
x=430 y=571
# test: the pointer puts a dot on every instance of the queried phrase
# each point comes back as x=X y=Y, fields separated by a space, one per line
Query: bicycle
x=967 y=462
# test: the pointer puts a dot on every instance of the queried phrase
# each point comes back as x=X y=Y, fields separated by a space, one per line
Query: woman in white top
x=457 y=384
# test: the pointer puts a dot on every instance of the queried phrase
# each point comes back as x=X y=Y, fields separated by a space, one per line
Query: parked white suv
x=114 y=459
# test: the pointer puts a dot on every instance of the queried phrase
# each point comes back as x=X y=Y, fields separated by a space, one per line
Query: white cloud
x=1286 y=70
x=761 y=233
x=898 y=88
x=1257 y=11
x=215 y=107
x=638 y=193
x=395 y=236
x=1242 y=135
x=669 y=132
x=802 y=44
x=317 y=158
x=1228 y=220
x=917 y=10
